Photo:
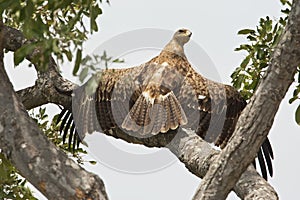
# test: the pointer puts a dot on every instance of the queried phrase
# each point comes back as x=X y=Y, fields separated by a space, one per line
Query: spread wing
x=137 y=100
x=103 y=108
x=213 y=110
x=157 y=97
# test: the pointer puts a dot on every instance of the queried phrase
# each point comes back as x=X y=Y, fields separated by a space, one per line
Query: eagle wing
x=139 y=100
x=102 y=108
x=155 y=98
x=213 y=110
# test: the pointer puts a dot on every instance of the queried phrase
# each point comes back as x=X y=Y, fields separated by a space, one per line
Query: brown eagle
x=156 y=97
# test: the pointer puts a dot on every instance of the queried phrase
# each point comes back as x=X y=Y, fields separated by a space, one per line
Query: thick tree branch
x=257 y=118
x=195 y=153
x=198 y=155
x=37 y=159
x=55 y=89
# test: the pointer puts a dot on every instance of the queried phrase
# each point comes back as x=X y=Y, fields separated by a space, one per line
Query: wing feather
x=218 y=109
x=159 y=96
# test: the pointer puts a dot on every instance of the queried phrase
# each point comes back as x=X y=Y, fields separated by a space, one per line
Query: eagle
x=158 y=97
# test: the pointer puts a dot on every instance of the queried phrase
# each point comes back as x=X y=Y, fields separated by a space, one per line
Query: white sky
x=214 y=25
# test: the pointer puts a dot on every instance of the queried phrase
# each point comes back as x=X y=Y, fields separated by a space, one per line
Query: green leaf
x=42 y=111
x=286 y=11
x=104 y=56
x=269 y=25
x=263 y=64
x=83 y=74
x=95 y=11
x=245 y=47
x=253 y=84
x=86 y=59
x=293 y=99
x=251 y=38
x=118 y=60
x=235 y=73
x=77 y=62
x=245 y=62
x=55 y=47
x=23 y=182
x=275 y=29
x=246 y=31
x=283 y=2
x=68 y=54
x=246 y=94
x=239 y=81
x=92 y=162
x=297 y=115
x=4 y=5
x=296 y=92
x=22 y=52
x=269 y=37
x=261 y=54
x=282 y=21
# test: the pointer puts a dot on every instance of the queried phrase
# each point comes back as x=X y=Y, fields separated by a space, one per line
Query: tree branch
x=37 y=159
x=257 y=118
x=198 y=155
x=56 y=89
x=195 y=153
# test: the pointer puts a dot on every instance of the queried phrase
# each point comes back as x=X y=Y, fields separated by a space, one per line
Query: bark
x=37 y=159
x=55 y=89
x=198 y=155
x=257 y=118
x=195 y=153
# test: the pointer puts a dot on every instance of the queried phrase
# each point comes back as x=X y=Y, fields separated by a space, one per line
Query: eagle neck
x=174 y=46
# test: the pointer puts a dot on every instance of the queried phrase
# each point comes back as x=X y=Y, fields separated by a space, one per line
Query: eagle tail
x=265 y=156
x=152 y=115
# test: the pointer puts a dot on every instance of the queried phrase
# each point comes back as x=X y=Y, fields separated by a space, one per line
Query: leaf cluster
x=262 y=42
x=259 y=48
x=52 y=27
x=52 y=130
x=12 y=186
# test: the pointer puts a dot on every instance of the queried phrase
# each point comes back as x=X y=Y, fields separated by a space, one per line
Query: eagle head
x=182 y=36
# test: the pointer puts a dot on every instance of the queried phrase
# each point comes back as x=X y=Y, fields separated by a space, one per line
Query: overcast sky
x=135 y=172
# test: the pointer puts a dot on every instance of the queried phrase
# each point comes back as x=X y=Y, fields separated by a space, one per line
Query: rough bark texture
x=55 y=89
x=53 y=84
x=37 y=159
x=196 y=154
x=257 y=118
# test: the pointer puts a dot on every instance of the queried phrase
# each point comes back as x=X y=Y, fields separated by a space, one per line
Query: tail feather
x=158 y=111
x=173 y=122
x=268 y=154
x=262 y=164
x=152 y=115
x=265 y=156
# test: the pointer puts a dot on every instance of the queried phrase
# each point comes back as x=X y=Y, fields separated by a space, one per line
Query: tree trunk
x=258 y=116
x=37 y=159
